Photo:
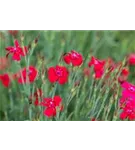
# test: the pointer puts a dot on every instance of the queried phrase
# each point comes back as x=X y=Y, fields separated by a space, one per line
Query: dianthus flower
x=5 y=79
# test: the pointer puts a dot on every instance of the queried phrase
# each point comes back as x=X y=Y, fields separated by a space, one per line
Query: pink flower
x=128 y=111
x=129 y=89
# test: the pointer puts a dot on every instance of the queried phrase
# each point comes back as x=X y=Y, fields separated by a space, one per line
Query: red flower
x=58 y=73
x=131 y=59
x=51 y=104
x=13 y=32
x=127 y=102
x=98 y=66
x=5 y=80
x=17 y=51
x=125 y=72
x=4 y=63
x=98 y=74
x=74 y=58
x=27 y=75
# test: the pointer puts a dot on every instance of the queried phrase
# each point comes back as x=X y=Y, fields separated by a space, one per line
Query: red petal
x=16 y=43
x=125 y=72
x=123 y=115
x=132 y=116
x=98 y=74
x=65 y=71
x=62 y=80
x=52 y=75
x=76 y=58
x=77 y=62
x=67 y=58
x=98 y=64
x=131 y=59
x=92 y=61
x=9 y=48
x=125 y=84
x=49 y=112
x=16 y=57
x=5 y=80
x=46 y=102
x=33 y=73
x=57 y=100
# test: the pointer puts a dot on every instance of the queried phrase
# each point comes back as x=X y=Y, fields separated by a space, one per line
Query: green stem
x=30 y=113
x=102 y=105
x=54 y=90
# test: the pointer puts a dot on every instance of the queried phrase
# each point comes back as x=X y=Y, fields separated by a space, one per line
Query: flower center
x=74 y=55
x=52 y=104
x=129 y=111
x=131 y=89
x=59 y=72
x=15 y=49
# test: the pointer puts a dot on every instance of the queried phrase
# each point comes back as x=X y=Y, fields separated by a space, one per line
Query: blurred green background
x=52 y=44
